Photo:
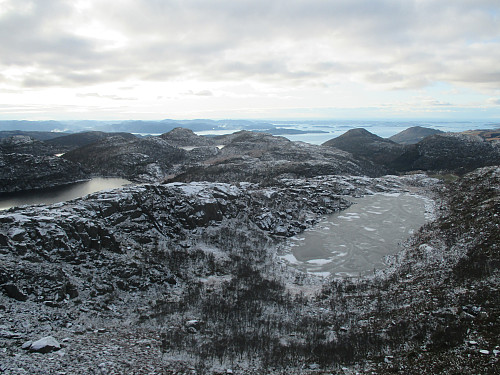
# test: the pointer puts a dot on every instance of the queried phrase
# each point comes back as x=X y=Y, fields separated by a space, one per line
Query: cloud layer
x=378 y=44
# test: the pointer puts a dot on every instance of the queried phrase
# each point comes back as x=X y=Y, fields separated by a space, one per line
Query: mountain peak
x=413 y=135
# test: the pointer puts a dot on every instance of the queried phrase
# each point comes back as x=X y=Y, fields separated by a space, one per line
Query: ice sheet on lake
x=356 y=240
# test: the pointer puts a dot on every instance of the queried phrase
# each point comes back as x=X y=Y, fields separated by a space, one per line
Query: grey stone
x=45 y=345
x=13 y=291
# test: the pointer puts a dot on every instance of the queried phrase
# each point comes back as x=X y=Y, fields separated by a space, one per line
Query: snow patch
x=290 y=258
x=319 y=262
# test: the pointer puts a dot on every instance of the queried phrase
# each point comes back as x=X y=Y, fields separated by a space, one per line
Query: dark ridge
x=71 y=141
x=41 y=136
x=361 y=143
x=457 y=153
x=413 y=135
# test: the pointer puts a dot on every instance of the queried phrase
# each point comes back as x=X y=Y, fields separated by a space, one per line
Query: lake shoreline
x=60 y=193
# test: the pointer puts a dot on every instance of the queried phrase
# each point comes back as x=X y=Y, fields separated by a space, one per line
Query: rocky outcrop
x=145 y=159
x=20 y=172
x=44 y=345
x=27 y=164
x=261 y=157
x=491 y=135
x=22 y=144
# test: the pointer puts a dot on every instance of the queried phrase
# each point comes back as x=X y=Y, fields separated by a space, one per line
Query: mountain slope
x=27 y=164
x=182 y=137
x=448 y=152
x=413 y=135
x=457 y=153
x=39 y=135
x=261 y=157
x=22 y=144
x=144 y=159
x=69 y=142
x=362 y=143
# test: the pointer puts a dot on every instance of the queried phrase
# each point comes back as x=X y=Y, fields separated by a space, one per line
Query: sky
x=265 y=59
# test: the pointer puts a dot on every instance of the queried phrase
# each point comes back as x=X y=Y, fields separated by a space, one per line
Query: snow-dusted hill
x=184 y=277
x=26 y=164
x=182 y=156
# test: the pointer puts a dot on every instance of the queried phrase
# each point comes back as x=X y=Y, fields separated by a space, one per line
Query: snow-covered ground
x=184 y=278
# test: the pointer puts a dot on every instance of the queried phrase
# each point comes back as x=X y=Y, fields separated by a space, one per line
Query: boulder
x=13 y=291
x=44 y=345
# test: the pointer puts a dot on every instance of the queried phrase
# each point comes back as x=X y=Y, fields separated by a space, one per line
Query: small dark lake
x=61 y=193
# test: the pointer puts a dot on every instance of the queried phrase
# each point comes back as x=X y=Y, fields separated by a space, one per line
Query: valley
x=184 y=272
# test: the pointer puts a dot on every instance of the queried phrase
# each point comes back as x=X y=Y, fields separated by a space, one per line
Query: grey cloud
x=204 y=93
x=270 y=69
x=198 y=93
x=112 y=97
x=226 y=39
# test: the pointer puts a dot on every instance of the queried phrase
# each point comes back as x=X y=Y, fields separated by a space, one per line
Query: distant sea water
x=383 y=129
x=332 y=129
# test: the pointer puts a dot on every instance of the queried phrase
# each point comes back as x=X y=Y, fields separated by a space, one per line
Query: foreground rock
x=44 y=345
x=181 y=277
x=104 y=270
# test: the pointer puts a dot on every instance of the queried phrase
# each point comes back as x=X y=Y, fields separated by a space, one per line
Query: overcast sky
x=155 y=59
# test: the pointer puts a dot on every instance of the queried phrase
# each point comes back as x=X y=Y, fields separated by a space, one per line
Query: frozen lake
x=355 y=241
x=61 y=193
